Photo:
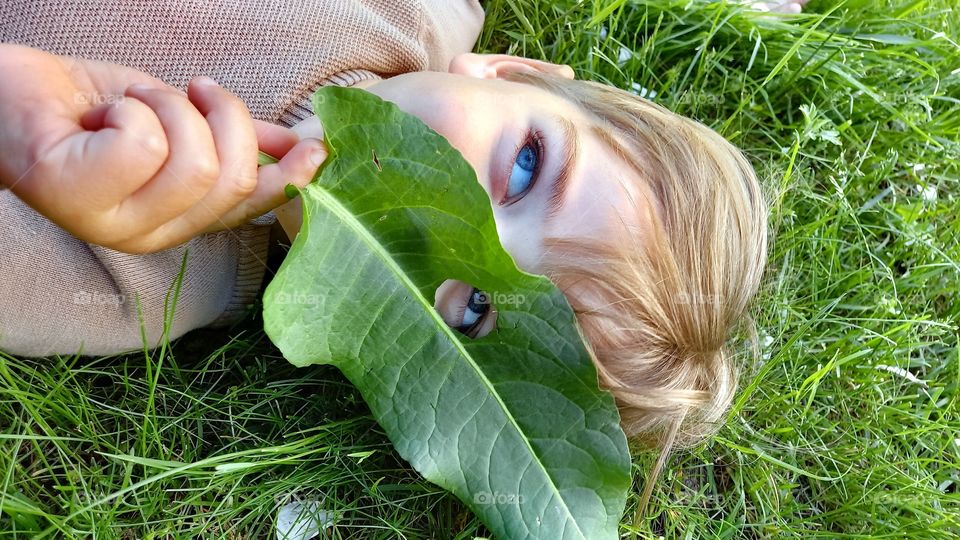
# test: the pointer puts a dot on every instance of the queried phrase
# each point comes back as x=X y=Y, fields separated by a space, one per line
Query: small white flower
x=637 y=89
x=765 y=342
x=927 y=193
x=625 y=55
x=902 y=373
x=302 y=520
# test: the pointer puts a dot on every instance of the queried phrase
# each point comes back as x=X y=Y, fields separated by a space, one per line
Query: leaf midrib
x=346 y=217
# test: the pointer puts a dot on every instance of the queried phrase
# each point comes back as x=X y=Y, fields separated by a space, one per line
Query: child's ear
x=496 y=66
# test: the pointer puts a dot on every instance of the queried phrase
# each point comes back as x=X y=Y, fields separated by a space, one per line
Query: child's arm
x=62 y=295
x=136 y=168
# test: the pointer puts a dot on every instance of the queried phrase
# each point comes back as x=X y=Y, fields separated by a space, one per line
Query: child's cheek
x=521 y=235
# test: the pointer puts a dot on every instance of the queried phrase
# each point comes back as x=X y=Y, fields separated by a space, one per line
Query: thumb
x=298 y=167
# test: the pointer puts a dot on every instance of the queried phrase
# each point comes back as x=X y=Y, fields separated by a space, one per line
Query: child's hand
x=137 y=168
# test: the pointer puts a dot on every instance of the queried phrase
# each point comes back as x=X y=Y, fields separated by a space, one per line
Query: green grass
x=849 y=113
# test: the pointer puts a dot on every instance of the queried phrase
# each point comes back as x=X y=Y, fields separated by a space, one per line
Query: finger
x=133 y=139
x=297 y=167
x=107 y=78
x=96 y=171
x=236 y=144
x=92 y=120
x=273 y=139
x=192 y=168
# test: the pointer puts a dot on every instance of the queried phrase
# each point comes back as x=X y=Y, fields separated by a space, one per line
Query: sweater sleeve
x=441 y=30
x=271 y=53
x=63 y=296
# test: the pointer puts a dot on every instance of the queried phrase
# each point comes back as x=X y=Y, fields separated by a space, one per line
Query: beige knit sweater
x=59 y=295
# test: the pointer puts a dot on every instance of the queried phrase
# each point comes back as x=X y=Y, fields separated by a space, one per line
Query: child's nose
x=465 y=308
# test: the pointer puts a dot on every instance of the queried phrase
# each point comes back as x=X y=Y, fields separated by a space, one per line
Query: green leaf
x=512 y=423
x=264 y=158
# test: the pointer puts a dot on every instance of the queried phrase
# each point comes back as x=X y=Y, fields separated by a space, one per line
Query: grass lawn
x=845 y=426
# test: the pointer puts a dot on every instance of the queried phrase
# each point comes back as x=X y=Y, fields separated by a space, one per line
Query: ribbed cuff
x=302 y=107
x=253 y=241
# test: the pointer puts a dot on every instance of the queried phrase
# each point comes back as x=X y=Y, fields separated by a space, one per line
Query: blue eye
x=524 y=171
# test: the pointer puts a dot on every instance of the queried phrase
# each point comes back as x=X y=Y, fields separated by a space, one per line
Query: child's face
x=524 y=142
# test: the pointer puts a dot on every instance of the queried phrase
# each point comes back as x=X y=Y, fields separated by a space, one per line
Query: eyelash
x=534 y=138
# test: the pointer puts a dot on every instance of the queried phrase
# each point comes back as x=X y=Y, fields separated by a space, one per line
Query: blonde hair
x=658 y=306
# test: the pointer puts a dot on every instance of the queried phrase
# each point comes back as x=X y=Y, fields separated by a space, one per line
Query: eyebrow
x=570 y=151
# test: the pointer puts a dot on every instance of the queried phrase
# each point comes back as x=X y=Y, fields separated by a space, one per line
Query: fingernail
x=318 y=156
x=139 y=87
x=205 y=81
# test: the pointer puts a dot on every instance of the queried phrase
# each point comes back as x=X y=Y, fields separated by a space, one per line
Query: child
x=652 y=224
